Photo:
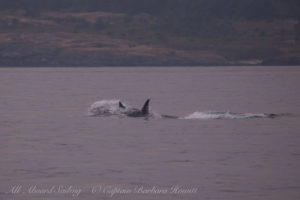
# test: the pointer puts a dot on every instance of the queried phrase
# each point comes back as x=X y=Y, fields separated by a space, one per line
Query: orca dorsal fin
x=145 y=109
x=121 y=105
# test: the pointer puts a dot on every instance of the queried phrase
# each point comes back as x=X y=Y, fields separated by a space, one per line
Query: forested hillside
x=149 y=32
x=200 y=9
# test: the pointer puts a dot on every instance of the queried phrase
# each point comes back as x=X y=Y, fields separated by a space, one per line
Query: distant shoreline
x=145 y=66
x=56 y=39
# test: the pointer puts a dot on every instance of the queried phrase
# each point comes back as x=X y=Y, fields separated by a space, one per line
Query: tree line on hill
x=193 y=9
x=180 y=16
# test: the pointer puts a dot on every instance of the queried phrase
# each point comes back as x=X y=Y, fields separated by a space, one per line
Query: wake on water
x=227 y=115
x=111 y=107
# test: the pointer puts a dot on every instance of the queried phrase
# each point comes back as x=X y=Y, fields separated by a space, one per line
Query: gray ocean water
x=51 y=148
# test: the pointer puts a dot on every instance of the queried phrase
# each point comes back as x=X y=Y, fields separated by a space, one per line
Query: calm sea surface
x=50 y=148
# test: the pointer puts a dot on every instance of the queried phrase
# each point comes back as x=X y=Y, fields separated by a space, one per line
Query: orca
x=134 y=112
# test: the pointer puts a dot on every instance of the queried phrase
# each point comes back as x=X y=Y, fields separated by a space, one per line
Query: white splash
x=111 y=107
x=226 y=115
x=105 y=108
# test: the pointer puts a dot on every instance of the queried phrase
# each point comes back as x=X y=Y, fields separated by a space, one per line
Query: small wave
x=227 y=115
